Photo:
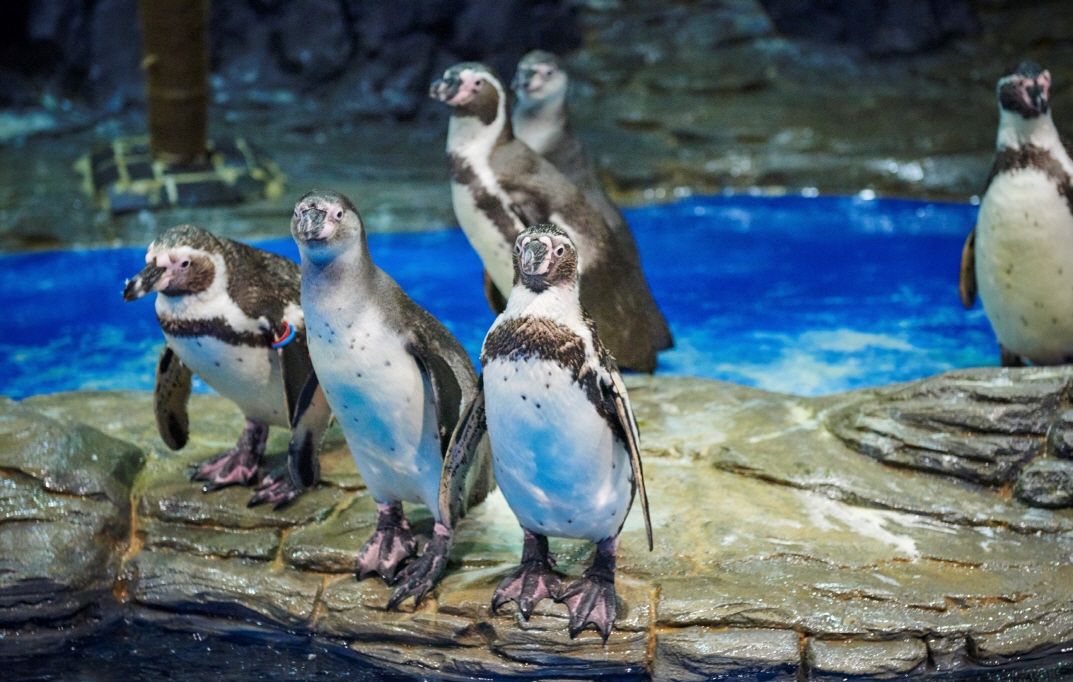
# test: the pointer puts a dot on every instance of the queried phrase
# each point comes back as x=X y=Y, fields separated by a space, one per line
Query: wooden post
x=176 y=63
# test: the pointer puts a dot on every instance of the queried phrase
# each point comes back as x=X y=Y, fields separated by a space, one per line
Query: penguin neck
x=540 y=125
x=349 y=270
x=1015 y=131
x=560 y=303
x=471 y=138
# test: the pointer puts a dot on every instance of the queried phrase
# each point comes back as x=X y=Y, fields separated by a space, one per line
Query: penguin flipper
x=312 y=415
x=624 y=411
x=170 y=395
x=967 y=280
x=495 y=297
x=296 y=367
x=446 y=392
x=461 y=455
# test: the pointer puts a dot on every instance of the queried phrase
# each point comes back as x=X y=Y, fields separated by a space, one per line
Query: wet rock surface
x=64 y=526
x=780 y=550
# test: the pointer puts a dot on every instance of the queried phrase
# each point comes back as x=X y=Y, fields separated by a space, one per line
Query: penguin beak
x=310 y=225
x=444 y=89
x=521 y=80
x=533 y=258
x=1037 y=96
x=149 y=279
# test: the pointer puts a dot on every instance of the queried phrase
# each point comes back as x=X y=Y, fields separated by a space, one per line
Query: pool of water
x=803 y=295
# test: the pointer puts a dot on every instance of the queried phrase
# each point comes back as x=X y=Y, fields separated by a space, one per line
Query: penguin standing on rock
x=1020 y=255
x=564 y=439
x=541 y=121
x=394 y=377
x=499 y=185
x=230 y=314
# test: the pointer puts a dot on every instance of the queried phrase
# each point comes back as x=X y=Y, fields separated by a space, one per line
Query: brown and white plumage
x=500 y=186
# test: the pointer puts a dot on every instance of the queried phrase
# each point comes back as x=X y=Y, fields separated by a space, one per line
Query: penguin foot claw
x=419 y=577
x=527 y=585
x=276 y=488
x=591 y=600
x=391 y=545
x=237 y=466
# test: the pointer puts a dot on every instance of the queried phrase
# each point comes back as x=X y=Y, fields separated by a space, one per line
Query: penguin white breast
x=560 y=467
x=483 y=234
x=1024 y=265
x=246 y=375
x=382 y=401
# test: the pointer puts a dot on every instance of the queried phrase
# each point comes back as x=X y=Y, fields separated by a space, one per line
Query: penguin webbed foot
x=276 y=488
x=240 y=465
x=419 y=577
x=390 y=545
x=237 y=466
x=533 y=580
x=591 y=598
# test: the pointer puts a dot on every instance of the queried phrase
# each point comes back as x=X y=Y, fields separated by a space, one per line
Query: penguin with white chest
x=499 y=185
x=540 y=119
x=231 y=315
x=395 y=378
x=564 y=439
x=1019 y=257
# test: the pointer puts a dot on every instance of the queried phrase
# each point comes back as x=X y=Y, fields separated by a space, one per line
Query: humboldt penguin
x=564 y=438
x=1020 y=254
x=541 y=121
x=394 y=377
x=499 y=185
x=231 y=315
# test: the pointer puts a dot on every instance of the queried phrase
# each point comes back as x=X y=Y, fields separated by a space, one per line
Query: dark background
x=671 y=97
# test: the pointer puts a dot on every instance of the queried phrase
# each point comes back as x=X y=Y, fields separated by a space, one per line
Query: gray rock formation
x=781 y=550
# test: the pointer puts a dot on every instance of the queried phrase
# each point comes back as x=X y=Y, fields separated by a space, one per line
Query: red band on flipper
x=285 y=336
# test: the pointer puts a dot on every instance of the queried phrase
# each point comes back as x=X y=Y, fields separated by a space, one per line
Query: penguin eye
x=560 y=251
x=185 y=263
x=517 y=247
x=339 y=214
x=477 y=82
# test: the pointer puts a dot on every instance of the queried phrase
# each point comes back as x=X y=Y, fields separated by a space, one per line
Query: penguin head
x=324 y=223
x=180 y=262
x=544 y=257
x=471 y=89
x=539 y=79
x=1026 y=92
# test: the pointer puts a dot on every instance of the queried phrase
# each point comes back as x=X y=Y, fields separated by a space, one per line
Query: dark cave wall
x=375 y=57
x=880 y=28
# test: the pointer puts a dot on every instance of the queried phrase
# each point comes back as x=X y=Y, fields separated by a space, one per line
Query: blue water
x=802 y=295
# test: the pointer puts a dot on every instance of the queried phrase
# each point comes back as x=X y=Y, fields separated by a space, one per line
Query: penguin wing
x=311 y=419
x=495 y=297
x=615 y=393
x=170 y=395
x=446 y=392
x=461 y=454
x=297 y=368
x=967 y=280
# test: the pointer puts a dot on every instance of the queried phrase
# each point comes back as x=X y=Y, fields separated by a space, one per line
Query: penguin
x=499 y=185
x=230 y=314
x=563 y=435
x=1019 y=256
x=393 y=376
x=540 y=120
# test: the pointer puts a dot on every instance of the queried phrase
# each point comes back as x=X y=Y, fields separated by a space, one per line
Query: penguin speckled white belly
x=395 y=378
x=564 y=438
x=230 y=314
x=499 y=185
x=1020 y=254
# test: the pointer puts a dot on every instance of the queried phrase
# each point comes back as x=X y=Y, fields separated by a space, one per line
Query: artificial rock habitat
x=874 y=533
